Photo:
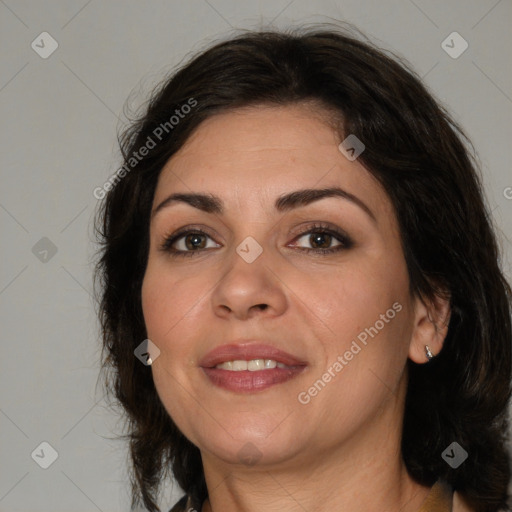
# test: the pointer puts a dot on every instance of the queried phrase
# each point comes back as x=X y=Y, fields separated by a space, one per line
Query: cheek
x=169 y=308
x=365 y=362
x=366 y=312
x=354 y=298
x=167 y=302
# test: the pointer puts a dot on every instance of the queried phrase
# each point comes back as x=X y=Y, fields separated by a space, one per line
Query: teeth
x=253 y=365
x=239 y=366
x=225 y=366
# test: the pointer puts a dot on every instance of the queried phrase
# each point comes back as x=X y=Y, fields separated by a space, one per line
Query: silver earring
x=428 y=352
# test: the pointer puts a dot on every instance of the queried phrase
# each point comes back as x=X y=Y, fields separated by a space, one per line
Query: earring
x=428 y=352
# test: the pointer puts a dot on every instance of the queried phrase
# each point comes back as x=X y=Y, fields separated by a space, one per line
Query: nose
x=249 y=290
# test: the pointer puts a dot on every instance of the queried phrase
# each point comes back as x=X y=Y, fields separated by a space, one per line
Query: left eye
x=320 y=239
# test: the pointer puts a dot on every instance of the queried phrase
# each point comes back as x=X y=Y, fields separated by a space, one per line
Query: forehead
x=255 y=154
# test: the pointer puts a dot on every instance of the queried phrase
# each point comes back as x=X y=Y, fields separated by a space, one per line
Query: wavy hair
x=425 y=163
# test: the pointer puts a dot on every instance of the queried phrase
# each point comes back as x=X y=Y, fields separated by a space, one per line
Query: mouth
x=253 y=365
x=250 y=367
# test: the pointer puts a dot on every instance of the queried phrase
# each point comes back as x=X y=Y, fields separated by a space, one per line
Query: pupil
x=318 y=239
x=193 y=239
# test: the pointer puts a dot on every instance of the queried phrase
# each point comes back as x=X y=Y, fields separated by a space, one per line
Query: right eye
x=186 y=243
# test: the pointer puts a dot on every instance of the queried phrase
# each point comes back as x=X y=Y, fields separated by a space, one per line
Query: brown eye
x=319 y=240
x=195 y=241
x=187 y=243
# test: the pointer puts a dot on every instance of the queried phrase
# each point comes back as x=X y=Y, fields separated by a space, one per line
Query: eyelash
x=345 y=241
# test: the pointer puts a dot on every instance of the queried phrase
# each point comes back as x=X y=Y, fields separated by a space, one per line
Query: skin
x=344 y=445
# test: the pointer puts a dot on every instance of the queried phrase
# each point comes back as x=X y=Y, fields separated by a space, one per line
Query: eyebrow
x=210 y=203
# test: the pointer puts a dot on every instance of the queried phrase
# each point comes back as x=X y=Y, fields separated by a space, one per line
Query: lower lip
x=245 y=381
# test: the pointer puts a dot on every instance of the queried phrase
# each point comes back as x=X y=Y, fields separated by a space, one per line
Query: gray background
x=59 y=120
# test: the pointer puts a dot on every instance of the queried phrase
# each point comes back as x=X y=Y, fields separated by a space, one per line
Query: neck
x=365 y=472
x=381 y=490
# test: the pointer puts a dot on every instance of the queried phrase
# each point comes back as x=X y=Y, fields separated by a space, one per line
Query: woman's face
x=256 y=275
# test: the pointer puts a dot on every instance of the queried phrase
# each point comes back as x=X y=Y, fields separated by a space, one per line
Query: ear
x=431 y=320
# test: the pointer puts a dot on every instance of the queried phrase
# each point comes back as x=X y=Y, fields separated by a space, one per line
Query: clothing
x=439 y=499
x=182 y=505
x=185 y=504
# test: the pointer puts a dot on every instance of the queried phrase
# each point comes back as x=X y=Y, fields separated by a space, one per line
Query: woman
x=297 y=250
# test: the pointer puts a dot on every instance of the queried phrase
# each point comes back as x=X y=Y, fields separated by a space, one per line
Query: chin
x=253 y=442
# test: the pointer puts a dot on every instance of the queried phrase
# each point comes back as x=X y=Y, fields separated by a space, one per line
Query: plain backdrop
x=59 y=118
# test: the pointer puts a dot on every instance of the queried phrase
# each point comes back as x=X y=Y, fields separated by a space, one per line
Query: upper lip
x=248 y=351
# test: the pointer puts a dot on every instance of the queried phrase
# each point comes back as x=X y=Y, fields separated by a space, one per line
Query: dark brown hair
x=423 y=161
